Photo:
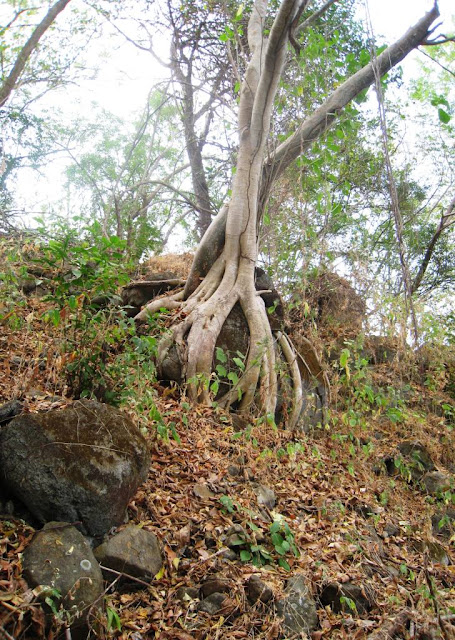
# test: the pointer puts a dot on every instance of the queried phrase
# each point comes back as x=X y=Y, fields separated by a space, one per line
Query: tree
x=223 y=270
x=132 y=175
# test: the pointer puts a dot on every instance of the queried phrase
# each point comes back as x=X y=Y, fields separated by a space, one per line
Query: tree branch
x=324 y=116
x=11 y=81
x=447 y=219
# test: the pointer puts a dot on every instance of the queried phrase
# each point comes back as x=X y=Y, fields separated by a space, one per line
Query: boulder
x=215 y=584
x=60 y=559
x=344 y=597
x=258 y=590
x=79 y=464
x=213 y=604
x=436 y=482
x=133 y=551
x=136 y=294
x=10 y=410
x=443 y=523
x=418 y=454
x=297 y=608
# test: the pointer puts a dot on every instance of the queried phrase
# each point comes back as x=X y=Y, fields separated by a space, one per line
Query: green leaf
x=239 y=363
x=245 y=556
x=275 y=526
x=282 y=562
x=277 y=539
x=220 y=355
x=344 y=358
x=221 y=371
x=443 y=116
x=233 y=377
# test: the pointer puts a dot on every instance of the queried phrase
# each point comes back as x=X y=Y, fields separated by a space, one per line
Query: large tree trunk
x=223 y=269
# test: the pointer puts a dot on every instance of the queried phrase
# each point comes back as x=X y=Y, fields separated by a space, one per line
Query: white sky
x=127 y=74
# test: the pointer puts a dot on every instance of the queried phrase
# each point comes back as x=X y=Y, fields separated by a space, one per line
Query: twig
x=122 y=574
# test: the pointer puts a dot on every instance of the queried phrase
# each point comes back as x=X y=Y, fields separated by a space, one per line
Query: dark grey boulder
x=81 y=464
x=133 y=551
x=258 y=590
x=9 y=410
x=346 y=597
x=418 y=458
x=60 y=558
x=215 y=584
x=297 y=608
x=436 y=482
x=213 y=604
x=443 y=523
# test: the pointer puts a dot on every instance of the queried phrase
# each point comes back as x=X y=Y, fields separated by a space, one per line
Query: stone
x=133 y=551
x=338 y=598
x=419 y=456
x=139 y=293
x=258 y=590
x=391 y=530
x=266 y=496
x=215 y=584
x=60 y=558
x=297 y=608
x=213 y=604
x=435 y=482
x=435 y=551
x=185 y=594
x=443 y=523
x=81 y=464
x=202 y=491
x=9 y=410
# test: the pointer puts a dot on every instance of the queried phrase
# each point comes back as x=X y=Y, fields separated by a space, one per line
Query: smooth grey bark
x=309 y=131
x=223 y=268
x=11 y=81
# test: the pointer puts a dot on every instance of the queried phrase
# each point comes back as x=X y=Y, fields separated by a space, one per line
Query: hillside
x=362 y=507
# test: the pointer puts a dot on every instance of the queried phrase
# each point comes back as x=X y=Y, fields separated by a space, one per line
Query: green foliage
x=275 y=547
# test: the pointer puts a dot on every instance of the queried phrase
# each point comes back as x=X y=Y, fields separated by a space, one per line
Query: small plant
x=113 y=620
x=281 y=539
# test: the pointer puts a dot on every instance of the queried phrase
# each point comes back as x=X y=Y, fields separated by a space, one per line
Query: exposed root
x=291 y=358
x=195 y=335
x=166 y=302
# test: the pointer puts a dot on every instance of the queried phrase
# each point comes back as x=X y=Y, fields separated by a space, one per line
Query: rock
x=391 y=530
x=138 y=293
x=9 y=410
x=235 y=537
x=60 y=558
x=419 y=457
x=230 y=555
x=435 y=482
x=82 y=464
x=435 y=551
x=443 y=523
x=234 y=470
x=215 y=584
x=213 y=604
x=298 y=608
x=340 y=596
x=266 y=496
x=133 y=551
x=185 y=594
x=202 y=491
x=258 y=590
